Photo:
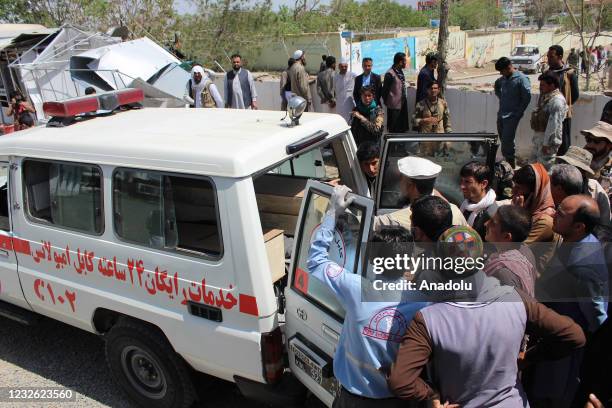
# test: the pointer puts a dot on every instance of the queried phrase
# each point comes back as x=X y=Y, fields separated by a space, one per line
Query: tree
x=443 y=35
x=581 y=22
x=155 y=18
x=475 y=14
x=541 y=10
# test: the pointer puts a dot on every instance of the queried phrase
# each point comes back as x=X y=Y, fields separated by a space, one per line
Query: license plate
x=315 y=364
x=307 y=364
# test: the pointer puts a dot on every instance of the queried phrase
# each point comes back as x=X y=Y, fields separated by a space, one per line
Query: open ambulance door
x=450 y=150
x=313 y=315
x=10 y=285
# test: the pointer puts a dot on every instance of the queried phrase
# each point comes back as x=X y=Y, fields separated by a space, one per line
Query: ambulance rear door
x=450 y=150
x=313 y=315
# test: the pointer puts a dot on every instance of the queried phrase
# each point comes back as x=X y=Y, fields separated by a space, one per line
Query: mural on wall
x=382 y=52
x=480 y=50
x=428 y=44
x=356 y=58
x=456 y=46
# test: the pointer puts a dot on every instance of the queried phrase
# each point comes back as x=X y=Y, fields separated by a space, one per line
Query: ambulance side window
x=318 y=164
x=166 y=212
x=67 y=195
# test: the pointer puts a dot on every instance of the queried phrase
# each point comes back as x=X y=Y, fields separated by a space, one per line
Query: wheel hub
x=144 y=372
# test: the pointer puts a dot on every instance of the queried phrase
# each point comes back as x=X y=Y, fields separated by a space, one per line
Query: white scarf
x=478 y=207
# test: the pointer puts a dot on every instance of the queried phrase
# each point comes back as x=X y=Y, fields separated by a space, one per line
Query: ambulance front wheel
x=146 y=367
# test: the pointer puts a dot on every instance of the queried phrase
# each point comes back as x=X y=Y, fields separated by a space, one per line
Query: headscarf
x=400 y=74
x=476 y=208
x=518 y=264
x=542 y=203
x=366 y=110
x=197 y=69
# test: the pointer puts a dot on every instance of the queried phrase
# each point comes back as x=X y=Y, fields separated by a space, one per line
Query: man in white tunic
x=200 y=84
x=344 y=82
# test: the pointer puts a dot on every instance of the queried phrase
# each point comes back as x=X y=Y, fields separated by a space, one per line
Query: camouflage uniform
x=427 y=109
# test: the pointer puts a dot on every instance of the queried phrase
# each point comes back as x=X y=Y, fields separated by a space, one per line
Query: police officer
x=372 y=329
x=418 y=177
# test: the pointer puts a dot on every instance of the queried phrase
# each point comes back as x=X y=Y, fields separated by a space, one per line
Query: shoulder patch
x=333 y=270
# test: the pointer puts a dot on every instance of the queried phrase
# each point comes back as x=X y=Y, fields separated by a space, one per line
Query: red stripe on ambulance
x=248 y=305
x=22 y=246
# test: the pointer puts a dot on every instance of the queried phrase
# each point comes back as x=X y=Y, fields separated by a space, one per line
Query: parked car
x=526 y=57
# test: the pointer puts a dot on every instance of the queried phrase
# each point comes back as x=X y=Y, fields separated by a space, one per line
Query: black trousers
x=348 y=400
x=397 y=119
x=566 y=137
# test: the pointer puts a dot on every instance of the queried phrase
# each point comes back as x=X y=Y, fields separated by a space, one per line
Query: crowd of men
x=534 y=329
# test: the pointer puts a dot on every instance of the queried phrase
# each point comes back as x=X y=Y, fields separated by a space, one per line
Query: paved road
x=52 y=354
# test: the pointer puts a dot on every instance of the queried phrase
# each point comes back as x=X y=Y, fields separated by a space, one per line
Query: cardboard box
x=275 y=248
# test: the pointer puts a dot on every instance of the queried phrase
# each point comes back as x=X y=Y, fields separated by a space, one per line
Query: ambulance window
x=4 y=214
x=63 y=194
x=318 y=164
x=344 y=250
x=166 y=212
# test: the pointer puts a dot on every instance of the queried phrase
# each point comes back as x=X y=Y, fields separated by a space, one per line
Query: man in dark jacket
x=568 y=85
x=368 y=78
x=394 y=95
x=513 y=90
x=426 y=76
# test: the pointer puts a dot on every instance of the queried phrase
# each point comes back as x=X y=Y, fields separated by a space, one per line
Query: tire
x=146 y=367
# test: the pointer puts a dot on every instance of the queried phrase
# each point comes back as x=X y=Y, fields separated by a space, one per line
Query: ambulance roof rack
x=66 y=112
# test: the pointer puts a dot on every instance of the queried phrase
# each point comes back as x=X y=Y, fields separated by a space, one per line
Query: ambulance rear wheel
x=147 y=368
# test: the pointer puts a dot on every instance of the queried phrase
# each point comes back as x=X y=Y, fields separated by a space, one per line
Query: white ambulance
x=181 y=238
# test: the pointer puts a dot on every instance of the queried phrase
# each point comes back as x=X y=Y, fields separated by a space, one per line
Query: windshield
x=524 y=51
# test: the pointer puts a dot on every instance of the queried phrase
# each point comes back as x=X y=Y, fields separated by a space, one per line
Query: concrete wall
x=428 y=42
x=479 y=50
x=275 y=52
x=471 y=111
x=471 y=48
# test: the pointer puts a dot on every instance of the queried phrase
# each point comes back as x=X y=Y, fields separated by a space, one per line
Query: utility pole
x=443 y=45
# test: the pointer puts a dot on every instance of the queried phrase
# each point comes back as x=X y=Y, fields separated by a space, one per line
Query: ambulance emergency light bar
x=107 y=101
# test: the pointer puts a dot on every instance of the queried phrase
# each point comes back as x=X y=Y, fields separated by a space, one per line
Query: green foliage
x=219 y=27
x=541 y=10
x=475 y=14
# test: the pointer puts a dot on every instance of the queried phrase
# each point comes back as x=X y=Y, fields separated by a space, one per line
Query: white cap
x=298 y=54
x=418 y=168
x=344 y=61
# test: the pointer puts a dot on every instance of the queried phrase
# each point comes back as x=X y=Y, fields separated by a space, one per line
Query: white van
x=169 y=233
x=526 y=57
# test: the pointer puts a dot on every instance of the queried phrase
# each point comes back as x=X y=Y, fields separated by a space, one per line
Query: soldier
x=432 y=116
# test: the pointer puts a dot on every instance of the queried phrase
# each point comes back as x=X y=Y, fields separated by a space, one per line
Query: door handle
x=330 y=333
x=4 y=253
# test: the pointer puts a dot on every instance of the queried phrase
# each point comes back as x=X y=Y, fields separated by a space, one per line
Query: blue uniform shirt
x=514 y=95
x=371 y=332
